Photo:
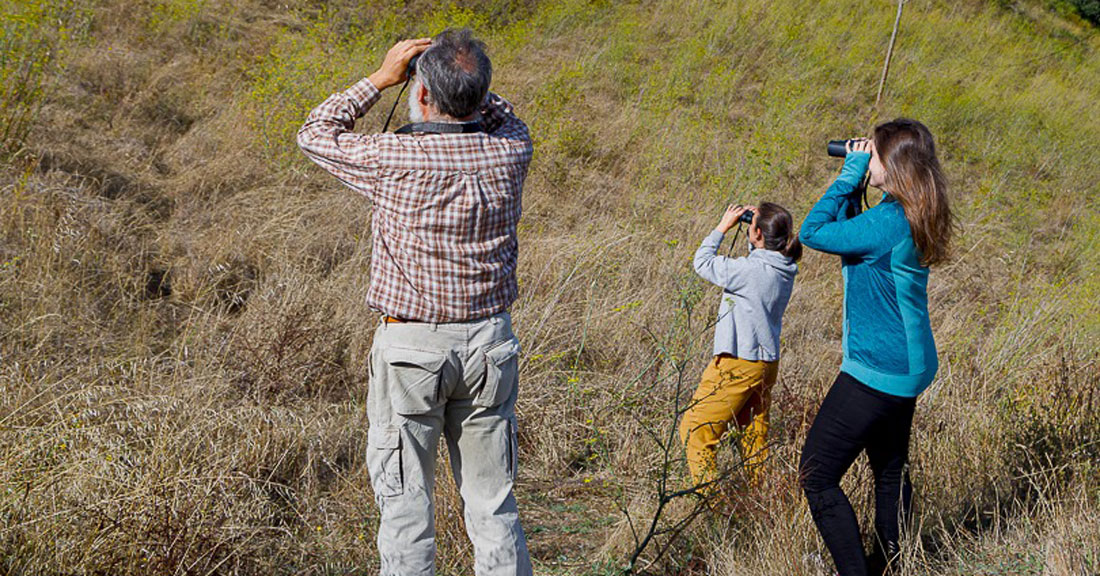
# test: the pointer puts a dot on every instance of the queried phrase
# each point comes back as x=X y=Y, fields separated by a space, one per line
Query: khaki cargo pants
x=459 y=379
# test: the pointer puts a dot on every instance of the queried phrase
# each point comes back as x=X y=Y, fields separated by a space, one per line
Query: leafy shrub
x=32 y=34
x=1090 y=9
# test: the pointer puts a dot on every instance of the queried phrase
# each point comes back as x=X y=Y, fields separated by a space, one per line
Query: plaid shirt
x=445 y=206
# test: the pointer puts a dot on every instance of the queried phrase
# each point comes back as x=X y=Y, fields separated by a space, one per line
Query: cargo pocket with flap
x=412 y=379
x=384 y=460
x=501 y=374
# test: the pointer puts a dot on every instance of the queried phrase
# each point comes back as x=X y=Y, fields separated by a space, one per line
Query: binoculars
x=837 y=148
x=746 y=217
x=412 y=69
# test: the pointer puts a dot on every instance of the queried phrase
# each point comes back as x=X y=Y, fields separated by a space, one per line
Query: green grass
x=34 y=36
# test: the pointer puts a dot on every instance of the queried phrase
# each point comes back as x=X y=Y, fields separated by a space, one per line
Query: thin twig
x=886 y=65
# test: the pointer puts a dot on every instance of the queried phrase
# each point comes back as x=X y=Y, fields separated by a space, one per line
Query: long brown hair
x=914 y=177
x=778 y=228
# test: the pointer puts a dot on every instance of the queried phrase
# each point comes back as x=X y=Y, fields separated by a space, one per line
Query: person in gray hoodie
x=736 y=384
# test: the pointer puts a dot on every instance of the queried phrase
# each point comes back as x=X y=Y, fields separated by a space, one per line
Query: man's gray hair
x=456 y=72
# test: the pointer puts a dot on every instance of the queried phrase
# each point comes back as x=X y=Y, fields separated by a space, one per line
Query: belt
x=387 y=319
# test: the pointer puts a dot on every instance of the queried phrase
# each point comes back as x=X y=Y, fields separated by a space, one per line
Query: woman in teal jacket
x=889 y=352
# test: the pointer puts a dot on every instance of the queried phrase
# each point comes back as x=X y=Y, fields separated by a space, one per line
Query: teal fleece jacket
x=888 y=343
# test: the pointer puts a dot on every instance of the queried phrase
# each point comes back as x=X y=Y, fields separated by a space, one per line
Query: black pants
x=853 y=418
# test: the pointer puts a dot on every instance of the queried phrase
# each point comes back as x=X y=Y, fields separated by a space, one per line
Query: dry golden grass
x=182 y=329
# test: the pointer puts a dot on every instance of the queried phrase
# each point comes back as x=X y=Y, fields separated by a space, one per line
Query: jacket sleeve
x=829 y=229
x=328 y=140
x=729 y=273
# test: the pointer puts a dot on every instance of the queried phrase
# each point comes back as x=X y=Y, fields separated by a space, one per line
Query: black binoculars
x=412 y=67
x=746 y=217
x=838 y=148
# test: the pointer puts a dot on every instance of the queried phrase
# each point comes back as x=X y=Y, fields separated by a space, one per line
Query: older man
x=446 y=196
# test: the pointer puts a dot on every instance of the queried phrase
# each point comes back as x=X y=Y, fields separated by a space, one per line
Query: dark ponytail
x=778 y=228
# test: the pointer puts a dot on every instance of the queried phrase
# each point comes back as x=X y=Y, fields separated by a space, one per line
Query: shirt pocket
x=501 y=374
x=413 y=379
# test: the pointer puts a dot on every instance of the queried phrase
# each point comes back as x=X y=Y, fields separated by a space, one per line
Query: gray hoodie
x=756 y=290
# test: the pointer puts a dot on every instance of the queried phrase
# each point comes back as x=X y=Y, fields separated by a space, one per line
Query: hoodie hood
x=776 y=260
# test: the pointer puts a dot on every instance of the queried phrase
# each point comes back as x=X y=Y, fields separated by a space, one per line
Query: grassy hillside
x=183 y=337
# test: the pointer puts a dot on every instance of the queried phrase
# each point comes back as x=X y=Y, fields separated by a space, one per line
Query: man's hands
x=730 y=218
x=396 y=65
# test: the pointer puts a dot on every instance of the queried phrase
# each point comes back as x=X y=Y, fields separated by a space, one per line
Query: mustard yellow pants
x=731 y=390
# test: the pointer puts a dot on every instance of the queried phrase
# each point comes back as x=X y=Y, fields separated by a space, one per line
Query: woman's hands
x=860 y=145
x=875 y=167
x=732 y=215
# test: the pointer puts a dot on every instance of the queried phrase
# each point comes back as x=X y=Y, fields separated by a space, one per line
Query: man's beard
x=414 y=106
